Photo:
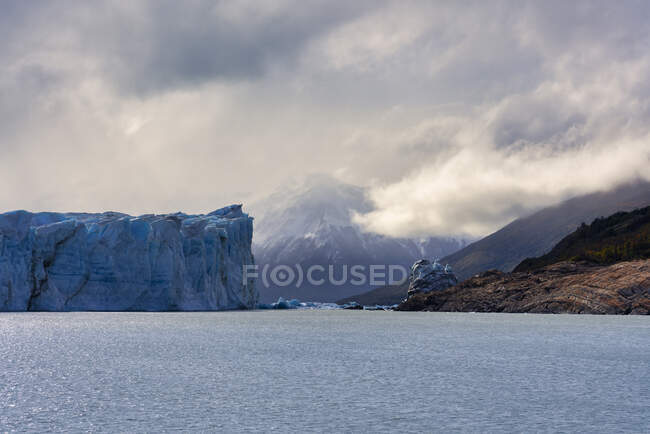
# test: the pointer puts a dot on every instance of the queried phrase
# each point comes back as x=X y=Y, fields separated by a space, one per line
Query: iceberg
x=294 y=303
x=427 y=277
x=115 y=262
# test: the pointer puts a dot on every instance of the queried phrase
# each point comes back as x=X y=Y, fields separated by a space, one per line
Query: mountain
x=623 y=236
x=115 y=262
x=310 y=223
x=536 y=234
x=601 y=268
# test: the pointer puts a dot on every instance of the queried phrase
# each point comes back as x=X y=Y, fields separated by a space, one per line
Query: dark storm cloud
x=162 y=45
x=158 y=45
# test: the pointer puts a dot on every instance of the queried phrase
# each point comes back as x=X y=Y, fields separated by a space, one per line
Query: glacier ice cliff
x=116 y=262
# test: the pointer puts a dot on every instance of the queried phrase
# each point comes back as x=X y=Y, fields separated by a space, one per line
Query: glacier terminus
x=116 y=262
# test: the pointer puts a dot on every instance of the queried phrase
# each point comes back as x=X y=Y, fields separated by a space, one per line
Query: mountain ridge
x=623 y=236
x=537 y=233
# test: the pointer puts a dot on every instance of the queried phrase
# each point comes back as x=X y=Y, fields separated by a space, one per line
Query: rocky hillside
x=536 y=235
x=623 y=236
x=565 y=287
x=603 y=267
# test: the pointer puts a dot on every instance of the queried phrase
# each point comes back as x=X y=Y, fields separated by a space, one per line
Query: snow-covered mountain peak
x=310 y=223
x=308 y=209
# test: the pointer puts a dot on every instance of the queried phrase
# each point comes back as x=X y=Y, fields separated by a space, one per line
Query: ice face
x=113 y=261
x=426 y=277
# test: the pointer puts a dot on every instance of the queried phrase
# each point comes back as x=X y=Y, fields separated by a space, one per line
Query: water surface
x=333 y=371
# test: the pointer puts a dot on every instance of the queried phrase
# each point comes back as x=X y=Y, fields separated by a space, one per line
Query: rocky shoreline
x=564 y=287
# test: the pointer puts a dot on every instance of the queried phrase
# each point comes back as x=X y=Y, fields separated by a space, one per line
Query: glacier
x=115 y=262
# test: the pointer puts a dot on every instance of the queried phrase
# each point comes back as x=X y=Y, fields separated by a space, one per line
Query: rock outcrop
x=564 y=287
x=115 y=262
x=427 y=277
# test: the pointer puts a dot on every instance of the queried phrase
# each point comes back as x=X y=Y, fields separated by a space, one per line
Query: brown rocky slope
x=564 y=287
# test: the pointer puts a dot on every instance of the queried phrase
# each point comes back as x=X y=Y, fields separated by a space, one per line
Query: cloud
x=525 y=151
x=458 y=116
x=152 y=46
x=477 y=191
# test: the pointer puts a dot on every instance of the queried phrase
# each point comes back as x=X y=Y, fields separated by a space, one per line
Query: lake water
x=332 y=371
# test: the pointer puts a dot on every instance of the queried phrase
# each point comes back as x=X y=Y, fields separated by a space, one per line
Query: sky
x=456 y=116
